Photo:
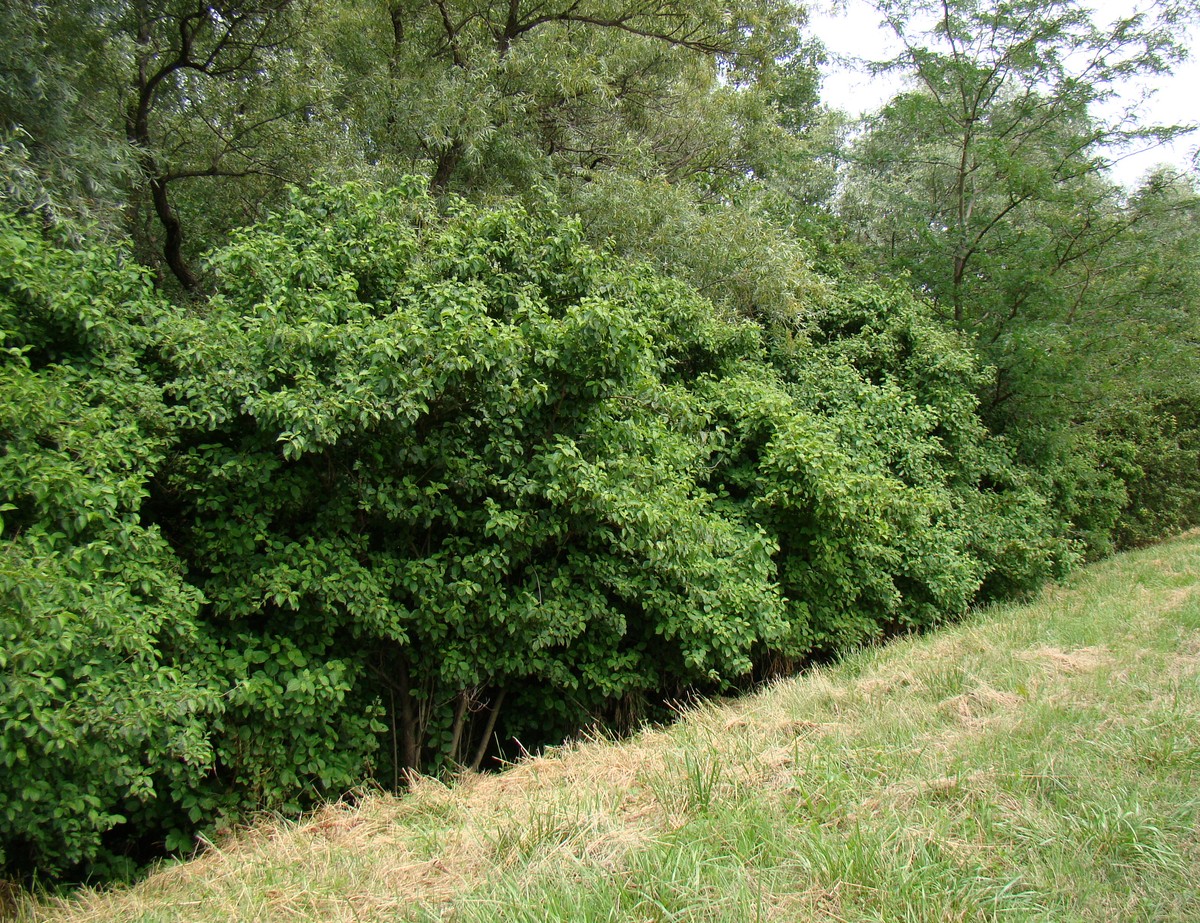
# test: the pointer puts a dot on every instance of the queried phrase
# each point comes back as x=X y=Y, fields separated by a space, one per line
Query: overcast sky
x=852 y=33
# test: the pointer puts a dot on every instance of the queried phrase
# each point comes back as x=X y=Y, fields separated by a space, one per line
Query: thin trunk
x=395 y=740
x=481 y=750
x=408 y=723
x=960 y=266
x=460 y=720
x=396 y=14
x=962 y=252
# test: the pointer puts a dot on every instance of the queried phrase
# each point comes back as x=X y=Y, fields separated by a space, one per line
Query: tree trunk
x=460 y=720
x=447 y=163
x=481 y=749
x=137 y=130
x=408 y=724
x=173 y=231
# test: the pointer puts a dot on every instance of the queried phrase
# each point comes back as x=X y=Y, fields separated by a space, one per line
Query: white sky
x=851 y=33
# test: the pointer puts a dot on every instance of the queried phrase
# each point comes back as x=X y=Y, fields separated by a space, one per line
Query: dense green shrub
x=458 y=452
x=859 y=449
x=989 y=503
x=100 y=711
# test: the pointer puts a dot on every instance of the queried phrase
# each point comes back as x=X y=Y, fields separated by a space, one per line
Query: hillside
x=1036 y=762
x=394 y=390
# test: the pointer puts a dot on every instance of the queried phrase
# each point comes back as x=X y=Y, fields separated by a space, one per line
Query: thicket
x=643 y=377
x=412 y=481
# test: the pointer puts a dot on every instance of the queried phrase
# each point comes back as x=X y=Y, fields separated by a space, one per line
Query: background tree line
x=386 y=382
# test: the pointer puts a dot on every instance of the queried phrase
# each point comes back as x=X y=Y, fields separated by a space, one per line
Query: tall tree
x=482 y=94
x=986 y=183
x=1000 y=144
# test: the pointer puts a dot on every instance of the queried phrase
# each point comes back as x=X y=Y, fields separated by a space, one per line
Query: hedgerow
x=414 y=480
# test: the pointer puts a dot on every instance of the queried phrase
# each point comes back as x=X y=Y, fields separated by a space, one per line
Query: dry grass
x=1036 y=763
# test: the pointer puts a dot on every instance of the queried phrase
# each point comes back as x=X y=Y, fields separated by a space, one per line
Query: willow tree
x=183 y=116
x=56 y=158
x=483 y=94
x=204 y=100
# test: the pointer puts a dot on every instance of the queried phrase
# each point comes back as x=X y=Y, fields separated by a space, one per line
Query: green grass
x=1039 y=762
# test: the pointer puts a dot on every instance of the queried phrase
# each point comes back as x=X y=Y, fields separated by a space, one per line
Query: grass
x=1039 y=762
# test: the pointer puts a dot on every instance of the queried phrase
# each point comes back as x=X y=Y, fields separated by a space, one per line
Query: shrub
x=100 y=710
x=460 y=453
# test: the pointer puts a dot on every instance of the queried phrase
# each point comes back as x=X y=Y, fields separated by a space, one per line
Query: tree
x=1000 y=148
x=196 y=113
x=1139 y=326
x=203 y=99
x=986 y=184
x=220 y=105
x=478 y=460
x=498 y=96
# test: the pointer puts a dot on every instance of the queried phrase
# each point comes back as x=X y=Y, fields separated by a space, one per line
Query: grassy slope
x=1036 y=763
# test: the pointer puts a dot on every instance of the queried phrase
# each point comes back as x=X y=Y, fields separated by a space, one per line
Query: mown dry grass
x=1035 y=763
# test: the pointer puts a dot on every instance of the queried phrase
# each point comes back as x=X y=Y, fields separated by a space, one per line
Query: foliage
x=410 y=462
x=100 y=710
x=398 y=479
x=1162 y=487
x=200 y=114
x=463 y=448
x=1140 y=328
x=127 y=721
x=865 y=458
x=732 y=252
x=494 y=95
x=169 y=119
